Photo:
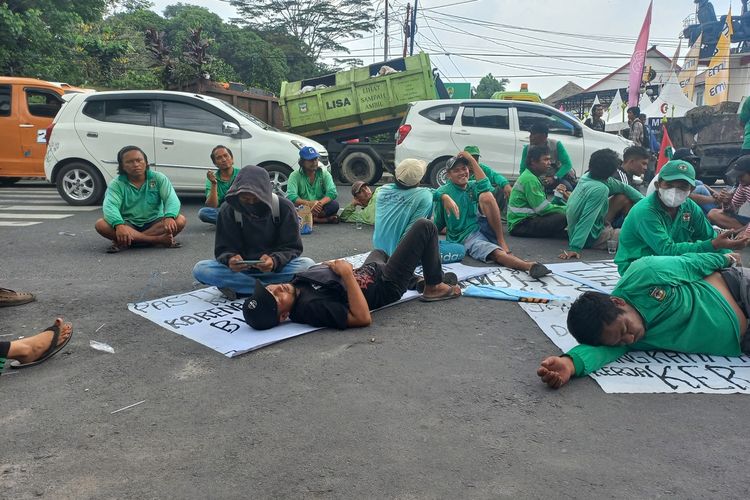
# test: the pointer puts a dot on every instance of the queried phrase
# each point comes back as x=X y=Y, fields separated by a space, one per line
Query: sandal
x=452 y=293
x=114 y=249
x=51 y=350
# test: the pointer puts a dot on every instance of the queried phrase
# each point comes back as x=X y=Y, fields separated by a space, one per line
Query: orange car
x=27 y=107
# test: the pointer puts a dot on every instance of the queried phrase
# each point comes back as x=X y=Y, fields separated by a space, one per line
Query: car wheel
x=80 y=184
x=360 y=166
x=279 y=177
x=8 y=181
x=438 y=174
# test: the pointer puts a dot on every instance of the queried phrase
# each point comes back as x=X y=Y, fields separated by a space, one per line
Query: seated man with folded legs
x=34 y=350
x=480 y=233
x=257 y=238
x=694 y=303
x=313 y=186
x=218 y=182
x=140 y=206
x=530 y=213
x=596 y=202
x=335 y=295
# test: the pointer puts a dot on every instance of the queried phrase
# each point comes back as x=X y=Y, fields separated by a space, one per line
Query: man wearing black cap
x=363 y=197
x=336 y=295
x=727 y=216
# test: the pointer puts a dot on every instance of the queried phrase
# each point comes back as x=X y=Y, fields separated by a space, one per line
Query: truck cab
x=27 y=108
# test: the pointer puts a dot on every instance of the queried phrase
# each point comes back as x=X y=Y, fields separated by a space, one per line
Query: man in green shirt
x=530 y=213
x=313 y=186
x=691 y=303
x=140 y=206
x=218 y=183
x=364 y=198
x=500 y=185
x=595 y=203
x=667 y=222
x=560 y=170
x=482 y=235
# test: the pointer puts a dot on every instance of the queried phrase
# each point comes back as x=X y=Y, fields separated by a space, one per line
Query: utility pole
x=385 y=42
x=407 y=28
x=413 y=28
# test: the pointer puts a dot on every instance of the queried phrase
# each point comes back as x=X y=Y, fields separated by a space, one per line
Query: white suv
x=434 y=131
x=176 y=130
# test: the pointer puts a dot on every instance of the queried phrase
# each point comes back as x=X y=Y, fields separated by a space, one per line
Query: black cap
x=456 y=161
x=740 y=166
x=260 y=309
x=684 y=154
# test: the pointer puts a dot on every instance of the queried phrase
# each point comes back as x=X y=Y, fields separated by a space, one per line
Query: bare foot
x=32 y=348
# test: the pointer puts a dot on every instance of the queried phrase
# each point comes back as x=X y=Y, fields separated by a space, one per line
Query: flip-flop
x=51 y=350
x=176 y=244
x=449 y=278
x=450 y=294
x=114 y=249
x=538 y=270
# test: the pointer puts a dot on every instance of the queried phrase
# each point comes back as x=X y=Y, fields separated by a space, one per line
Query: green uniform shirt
x=468 y=209
x=366 y=215
x=221 y=186
x=681 y=311
x=587 y=208
x=496 y=179
x=564 y=163
x=299 y=186
x=650 y=230
x=745 y=119
x=124 y=203
x=528 y=199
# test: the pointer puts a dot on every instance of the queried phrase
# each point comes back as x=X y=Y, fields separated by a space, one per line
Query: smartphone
x=251 y=262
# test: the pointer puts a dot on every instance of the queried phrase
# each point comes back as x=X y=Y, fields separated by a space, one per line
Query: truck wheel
x=360 y=166
x=279 y=177
x=80 y=184
x=9 y=181
x=438 y=174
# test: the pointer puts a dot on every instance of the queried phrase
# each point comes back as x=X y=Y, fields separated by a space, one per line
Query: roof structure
x=563 y=93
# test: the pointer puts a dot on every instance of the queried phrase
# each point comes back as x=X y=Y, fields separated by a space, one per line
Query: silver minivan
x=176 y=130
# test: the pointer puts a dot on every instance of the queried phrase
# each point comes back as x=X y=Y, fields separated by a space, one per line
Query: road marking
x=34 y=216
x=17 y=223
x=53 y=208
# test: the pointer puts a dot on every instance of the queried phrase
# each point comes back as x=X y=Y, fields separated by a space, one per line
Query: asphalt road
x=444 y=403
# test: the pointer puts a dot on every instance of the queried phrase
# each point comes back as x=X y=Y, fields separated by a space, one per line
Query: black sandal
x=51 y=350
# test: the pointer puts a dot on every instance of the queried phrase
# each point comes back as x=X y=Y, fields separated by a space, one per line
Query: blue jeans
x=212 y=272
x=701 y=188
x=208 y=214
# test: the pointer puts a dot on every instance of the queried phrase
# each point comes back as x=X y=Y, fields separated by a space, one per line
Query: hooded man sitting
x=257 y=237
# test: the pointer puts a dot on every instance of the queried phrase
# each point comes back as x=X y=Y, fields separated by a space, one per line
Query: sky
x=544 y=43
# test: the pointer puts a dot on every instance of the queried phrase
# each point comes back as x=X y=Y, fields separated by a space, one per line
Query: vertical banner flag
x=690 y=68
x=717 y=74
x=666 y=149
x=638 y=59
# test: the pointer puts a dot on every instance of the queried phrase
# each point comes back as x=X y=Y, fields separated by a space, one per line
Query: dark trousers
x=418 y=246
x=542 y=226
x=330 y=208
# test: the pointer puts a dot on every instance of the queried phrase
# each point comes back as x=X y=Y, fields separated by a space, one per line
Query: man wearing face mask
x=669 y=223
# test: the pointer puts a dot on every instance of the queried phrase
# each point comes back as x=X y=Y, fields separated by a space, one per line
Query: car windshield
x=251 y=118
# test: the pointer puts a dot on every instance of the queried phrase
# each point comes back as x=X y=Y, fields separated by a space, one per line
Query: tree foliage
x=488 y=85
x=122 y=44
x=319 y=24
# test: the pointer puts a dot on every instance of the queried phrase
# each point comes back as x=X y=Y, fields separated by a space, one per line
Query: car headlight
x=297 y=144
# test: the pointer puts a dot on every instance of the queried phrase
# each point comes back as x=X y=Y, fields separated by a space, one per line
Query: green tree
x=488 y=85
x=319 y=24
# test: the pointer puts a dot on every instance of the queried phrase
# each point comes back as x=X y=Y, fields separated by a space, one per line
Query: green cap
x=472 y=150
x=677 y=170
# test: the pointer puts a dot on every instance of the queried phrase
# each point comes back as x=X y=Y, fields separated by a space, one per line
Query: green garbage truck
x=346 y=110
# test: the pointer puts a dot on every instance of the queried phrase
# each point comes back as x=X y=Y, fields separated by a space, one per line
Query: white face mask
x=673 y=197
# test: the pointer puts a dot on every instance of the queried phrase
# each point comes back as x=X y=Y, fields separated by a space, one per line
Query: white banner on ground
x=635 y=372
x=208 y=318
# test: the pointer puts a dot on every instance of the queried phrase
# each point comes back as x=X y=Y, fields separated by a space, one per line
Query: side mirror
x=578 y=132
x=229 y=128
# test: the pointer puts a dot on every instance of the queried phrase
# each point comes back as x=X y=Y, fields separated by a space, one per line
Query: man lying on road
x=693 y=303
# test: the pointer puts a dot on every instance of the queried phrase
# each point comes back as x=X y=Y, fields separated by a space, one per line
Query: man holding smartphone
x=257 y=237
